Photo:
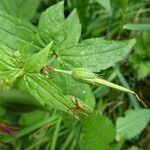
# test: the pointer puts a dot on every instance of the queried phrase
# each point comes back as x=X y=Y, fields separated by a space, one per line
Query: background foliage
x=32 y=32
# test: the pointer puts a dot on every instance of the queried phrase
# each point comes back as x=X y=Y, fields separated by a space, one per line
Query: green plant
x=52 y=64
x=140 y=58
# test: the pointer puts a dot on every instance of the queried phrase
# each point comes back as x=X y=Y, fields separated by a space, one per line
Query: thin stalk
x=74 y=143
x=44 y=140
x=56 y=132
x=68 y=140
x=62 y=71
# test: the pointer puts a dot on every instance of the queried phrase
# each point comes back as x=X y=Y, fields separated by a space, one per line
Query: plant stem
x=56 y=132
x=68 y=140
x=63 y=71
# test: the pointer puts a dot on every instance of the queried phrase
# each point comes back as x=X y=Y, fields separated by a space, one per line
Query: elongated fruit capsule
x=87 y=76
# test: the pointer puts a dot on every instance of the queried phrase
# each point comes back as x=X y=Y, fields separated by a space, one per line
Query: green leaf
x=70 y=32
x=143 y=70
x=8 y=69
x=96 y=54
x=6 y=58
x=145 y=27
x=15 y=32
x=18 y=102
x=28 y=119
x=141 y=56
x=133 y=123
x=38 y=60
x=52 y=26
x=45 y=91
x=106 y=4
x=25 y=52
x=116 y=146
x=19 y=8
x=98 y=132
x=50 y=23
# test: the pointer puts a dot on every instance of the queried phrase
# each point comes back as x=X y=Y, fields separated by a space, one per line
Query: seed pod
x=19 y=102
x=83 y=75
x=87 y=76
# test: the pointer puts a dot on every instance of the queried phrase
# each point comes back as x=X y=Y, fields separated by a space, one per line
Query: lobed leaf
x=50 y=23
x=8 y=69
x=45 y=91
x=98 y=132
x=133 y=123
x=15 y=32
x=6 y=58
x=70 y=32
x=53 y=26
x=19 y=8
x=96 y=54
